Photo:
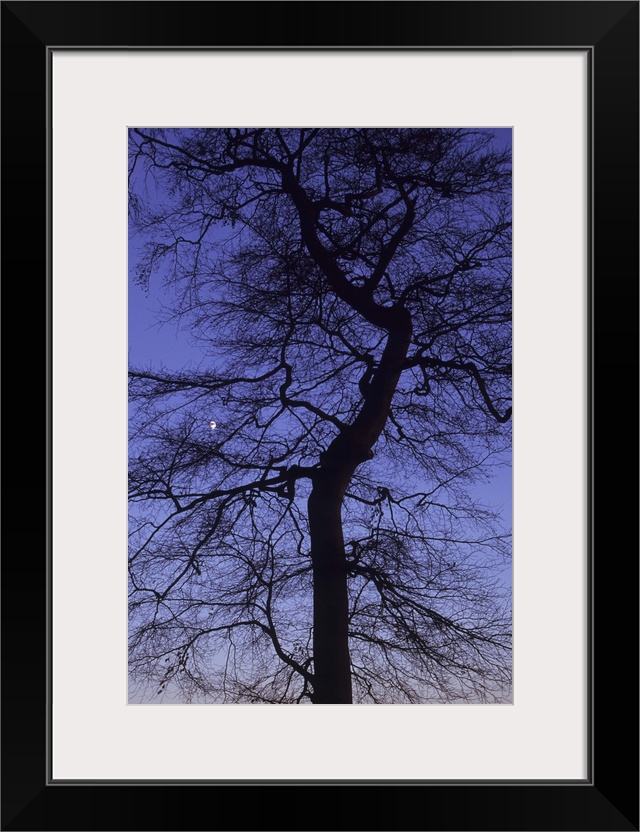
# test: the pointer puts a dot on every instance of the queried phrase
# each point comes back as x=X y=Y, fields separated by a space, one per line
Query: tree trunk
x=332 y=664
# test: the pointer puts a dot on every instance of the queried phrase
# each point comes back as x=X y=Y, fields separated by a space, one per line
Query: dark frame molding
x=608 y=799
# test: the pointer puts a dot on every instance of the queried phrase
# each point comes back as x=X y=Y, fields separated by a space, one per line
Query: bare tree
x=304 y=524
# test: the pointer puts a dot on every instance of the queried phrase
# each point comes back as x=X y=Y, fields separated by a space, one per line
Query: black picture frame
x=608 y=798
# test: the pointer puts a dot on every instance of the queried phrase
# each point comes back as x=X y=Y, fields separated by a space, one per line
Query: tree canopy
x=305 y=524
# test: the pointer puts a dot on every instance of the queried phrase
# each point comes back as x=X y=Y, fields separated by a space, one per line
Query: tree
x=304 y=525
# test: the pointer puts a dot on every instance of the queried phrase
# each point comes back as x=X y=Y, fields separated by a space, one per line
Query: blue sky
x=156 y=341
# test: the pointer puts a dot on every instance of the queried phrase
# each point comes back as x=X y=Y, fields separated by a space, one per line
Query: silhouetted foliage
x=349 y=292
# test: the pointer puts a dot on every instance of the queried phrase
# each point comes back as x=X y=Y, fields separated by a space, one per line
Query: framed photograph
x=411 y=130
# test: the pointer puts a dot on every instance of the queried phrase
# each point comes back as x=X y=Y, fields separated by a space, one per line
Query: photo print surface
x=320 y=415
